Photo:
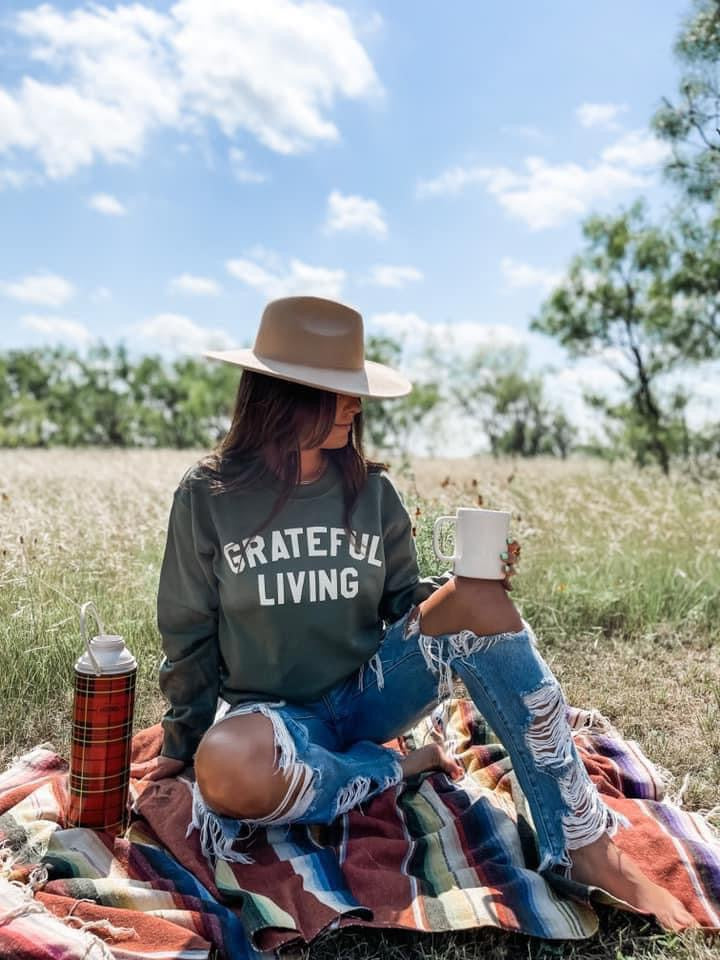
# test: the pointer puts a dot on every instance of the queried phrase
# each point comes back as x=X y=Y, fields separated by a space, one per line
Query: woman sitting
x=290 y=589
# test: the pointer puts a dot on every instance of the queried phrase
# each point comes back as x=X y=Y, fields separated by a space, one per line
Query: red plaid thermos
x=101 y=730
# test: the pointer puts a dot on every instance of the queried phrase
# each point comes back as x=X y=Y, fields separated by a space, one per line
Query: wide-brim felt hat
x=319 y=343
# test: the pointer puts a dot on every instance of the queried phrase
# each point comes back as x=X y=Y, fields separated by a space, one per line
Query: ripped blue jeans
x=331 y=749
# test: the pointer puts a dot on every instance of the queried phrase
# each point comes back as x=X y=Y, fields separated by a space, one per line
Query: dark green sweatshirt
x=304 y=609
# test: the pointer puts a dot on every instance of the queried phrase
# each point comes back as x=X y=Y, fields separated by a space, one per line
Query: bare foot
x=603 y=864
x=431 y=757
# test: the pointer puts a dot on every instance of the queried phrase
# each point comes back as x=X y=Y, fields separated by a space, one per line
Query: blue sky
x=166 y=169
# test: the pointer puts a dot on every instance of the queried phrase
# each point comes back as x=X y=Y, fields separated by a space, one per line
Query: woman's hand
x=431 y=757
x=164 y=767
x=510 y=557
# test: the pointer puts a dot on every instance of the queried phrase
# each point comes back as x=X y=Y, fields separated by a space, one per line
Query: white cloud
x=636 y=149
x=177 y=332
x=111 y=76
x=108 y=204
x=45 y=289
x=600 y=114
x=116 y=82
x=273 y=280
x=564 y=388
x=545 y=195
x=703 y=385
x=518 y=275
x=398 y=324
x=354 y=213
x=591 y=373
x=284 y=65
x=526 y=130
x=12 y=178
x=429 y=352
x=100 y=295
x=199 y=286
x=240 y=169
x=416 y=333
x=454 y=179
x=372 y=23
x=384 y=275
x=57 y=327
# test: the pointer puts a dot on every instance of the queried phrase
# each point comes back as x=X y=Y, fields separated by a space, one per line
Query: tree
x=492 y=385
x=694 y=325
x=103 y=398
x=618 y=301
x=690 y=123
x=389 y=423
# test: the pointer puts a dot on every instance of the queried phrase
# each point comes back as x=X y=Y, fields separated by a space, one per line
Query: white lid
x=106 y=653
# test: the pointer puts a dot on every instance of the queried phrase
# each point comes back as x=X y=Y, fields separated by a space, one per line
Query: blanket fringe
x=24 y=905
x=676 y=798
x=708 y=816
x=217 y=834
x=593 y=721
x=109 y=932
x=37 y=879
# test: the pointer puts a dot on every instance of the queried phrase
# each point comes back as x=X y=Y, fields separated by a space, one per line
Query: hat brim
x=375 y=380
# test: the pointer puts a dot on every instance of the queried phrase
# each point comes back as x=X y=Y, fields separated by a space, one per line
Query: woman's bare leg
x=236 y=768
x=484 y=607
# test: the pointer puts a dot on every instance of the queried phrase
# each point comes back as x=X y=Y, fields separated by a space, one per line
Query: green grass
x=620 y=578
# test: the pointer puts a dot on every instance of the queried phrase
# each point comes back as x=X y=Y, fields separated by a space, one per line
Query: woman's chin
x=336 y=442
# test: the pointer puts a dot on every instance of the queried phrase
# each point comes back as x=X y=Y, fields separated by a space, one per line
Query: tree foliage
x=694 y=326
x=58 y=396
x=509 y=405
x=690 y=122
x=391 y=424
x=62 y=397
x=619 y=301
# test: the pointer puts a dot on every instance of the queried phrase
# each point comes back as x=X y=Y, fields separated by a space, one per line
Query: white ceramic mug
x=480 y=537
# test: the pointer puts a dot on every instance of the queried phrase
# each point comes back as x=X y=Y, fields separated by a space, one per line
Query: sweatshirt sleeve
x=404 y=587
x=187 y=613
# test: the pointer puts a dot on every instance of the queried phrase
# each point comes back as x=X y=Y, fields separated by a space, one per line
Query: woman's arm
x=403 y=585
x=187 y=614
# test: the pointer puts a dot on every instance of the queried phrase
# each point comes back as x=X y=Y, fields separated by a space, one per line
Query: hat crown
x=311 y=331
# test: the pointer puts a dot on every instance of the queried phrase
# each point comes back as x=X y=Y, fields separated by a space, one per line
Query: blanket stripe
x=429 y=855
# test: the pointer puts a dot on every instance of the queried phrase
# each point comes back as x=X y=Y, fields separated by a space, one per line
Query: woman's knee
x=236 y=768
x=465 y=603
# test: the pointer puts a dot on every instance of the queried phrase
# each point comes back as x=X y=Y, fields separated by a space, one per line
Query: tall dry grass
x=620 y=578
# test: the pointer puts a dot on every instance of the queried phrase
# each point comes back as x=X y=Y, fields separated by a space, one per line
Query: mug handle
x=436 y=538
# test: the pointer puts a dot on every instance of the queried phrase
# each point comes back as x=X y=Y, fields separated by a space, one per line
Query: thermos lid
x=105 y=653
x=109 y=654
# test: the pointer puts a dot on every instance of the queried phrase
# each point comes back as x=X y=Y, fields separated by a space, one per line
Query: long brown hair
x=271 y=418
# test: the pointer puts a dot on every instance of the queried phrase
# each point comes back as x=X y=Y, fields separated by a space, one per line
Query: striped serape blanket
x=428 y=855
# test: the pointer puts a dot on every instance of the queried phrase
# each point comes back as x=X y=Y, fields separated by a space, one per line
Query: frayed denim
x=331 y=749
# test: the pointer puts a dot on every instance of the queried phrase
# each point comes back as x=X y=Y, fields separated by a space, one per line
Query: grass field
x=620 y=578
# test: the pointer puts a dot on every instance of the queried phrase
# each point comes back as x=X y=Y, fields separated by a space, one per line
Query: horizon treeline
x=57 y=396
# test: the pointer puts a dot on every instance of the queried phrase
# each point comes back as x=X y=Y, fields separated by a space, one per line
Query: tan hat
x=319 y=343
